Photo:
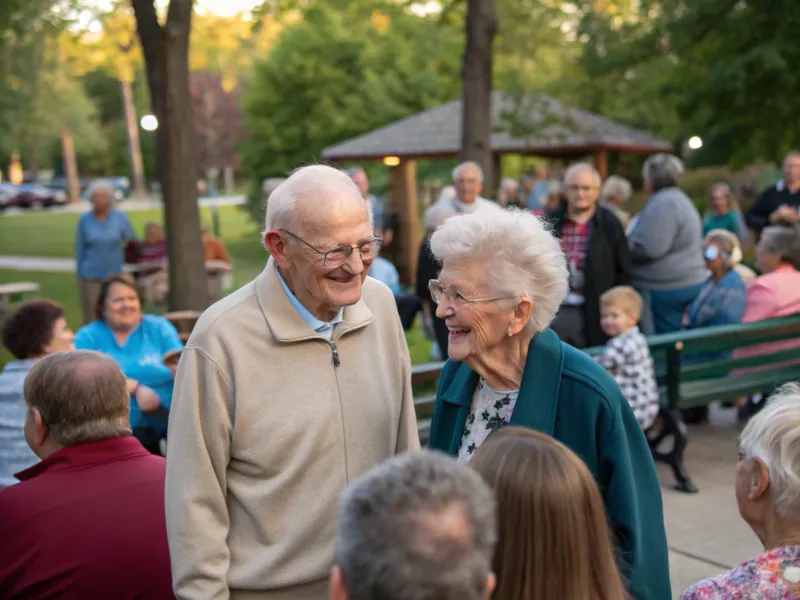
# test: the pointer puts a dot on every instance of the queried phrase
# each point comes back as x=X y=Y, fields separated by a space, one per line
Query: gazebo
x=521 y=124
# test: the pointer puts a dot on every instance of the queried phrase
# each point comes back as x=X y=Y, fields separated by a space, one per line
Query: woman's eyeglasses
x=456 y=298
x=369 y=249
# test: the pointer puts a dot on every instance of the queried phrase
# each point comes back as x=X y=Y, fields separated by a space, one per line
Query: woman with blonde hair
x=723 y=212
x=554 y=539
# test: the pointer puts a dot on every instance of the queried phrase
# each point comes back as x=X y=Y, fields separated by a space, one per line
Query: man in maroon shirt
x=88 y=520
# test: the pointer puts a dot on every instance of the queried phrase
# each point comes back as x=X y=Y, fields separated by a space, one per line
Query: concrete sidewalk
x=37 y=263
x=705 y=534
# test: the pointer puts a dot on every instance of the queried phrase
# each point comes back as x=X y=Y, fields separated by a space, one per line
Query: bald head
x=310 y=196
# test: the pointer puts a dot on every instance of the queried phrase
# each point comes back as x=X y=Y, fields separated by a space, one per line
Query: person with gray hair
x=508 y=194
x=288 y=389
x=614 y=194
x=359 y=177
x=666 y=244
x=504 y=276
x=773 y=294
x=767 y=485
x=417 y=527
x=779 y=203
x=468 y=181
x=99 y=237
x=88 y=520
x=598 y=259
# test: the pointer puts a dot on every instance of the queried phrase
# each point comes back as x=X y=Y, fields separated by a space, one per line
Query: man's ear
x=337 y=590
x=275 y=244
x=40 y=430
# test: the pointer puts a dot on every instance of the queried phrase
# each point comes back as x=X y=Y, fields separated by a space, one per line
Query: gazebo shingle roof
x=539 y=125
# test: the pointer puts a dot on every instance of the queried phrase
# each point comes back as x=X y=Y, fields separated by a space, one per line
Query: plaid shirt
x=574 y=242
x=627 y=358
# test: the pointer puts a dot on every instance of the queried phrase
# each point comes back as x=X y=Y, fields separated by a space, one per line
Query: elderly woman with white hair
x=768 y=495
x=99 y=238
x=503 y=278
x=666 y=246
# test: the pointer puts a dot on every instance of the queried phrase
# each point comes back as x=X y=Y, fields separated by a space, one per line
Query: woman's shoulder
x=585 y=380
x=157 y=322
x=90 y=332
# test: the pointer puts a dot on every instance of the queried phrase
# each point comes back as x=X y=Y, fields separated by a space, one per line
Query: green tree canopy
x=337 y=73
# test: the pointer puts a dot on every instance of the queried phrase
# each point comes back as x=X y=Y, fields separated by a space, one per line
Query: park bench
x=184 y=321
x=687 y=386
x=14 y=292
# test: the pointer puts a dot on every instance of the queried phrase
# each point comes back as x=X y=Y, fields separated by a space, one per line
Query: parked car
x=34 y=195
x=8 y=196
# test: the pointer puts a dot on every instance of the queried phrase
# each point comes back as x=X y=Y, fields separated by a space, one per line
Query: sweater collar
x=285 y=322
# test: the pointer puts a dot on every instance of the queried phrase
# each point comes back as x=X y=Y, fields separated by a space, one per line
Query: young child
x=626 y=356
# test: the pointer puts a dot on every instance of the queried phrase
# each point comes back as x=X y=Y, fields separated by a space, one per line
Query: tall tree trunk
x=70 y=167
x=476 y=91
x=168 y=80
x=134 y=145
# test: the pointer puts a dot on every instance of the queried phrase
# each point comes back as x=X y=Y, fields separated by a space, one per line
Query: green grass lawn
x=51 y=235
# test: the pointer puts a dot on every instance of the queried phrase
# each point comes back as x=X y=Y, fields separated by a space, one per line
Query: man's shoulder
x=378 y=297
x=234 y=311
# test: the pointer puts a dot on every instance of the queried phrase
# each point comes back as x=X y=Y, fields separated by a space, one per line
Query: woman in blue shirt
x=138 y=342
x=98 y=245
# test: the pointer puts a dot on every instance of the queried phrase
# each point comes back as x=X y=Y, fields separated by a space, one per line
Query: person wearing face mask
x=288 y=390
x=503 y=278
x=138 y=343
x=721 y=300
x=35 y=329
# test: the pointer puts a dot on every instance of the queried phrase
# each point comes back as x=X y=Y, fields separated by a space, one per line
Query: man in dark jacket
x=597 y=256
x=779 y=203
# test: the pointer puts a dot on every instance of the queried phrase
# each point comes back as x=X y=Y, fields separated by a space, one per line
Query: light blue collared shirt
x=324 y=329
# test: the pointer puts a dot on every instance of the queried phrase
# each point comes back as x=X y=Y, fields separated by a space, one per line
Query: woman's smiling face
x=475 y=327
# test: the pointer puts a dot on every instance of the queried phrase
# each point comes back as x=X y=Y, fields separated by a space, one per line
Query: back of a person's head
x=417 y=527
x=28 y=330
x=82 y=396
x=554 y=538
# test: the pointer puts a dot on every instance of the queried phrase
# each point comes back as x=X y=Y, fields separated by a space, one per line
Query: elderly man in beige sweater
x=288 y=390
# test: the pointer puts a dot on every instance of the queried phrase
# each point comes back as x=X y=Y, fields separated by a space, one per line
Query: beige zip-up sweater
x=265 y=432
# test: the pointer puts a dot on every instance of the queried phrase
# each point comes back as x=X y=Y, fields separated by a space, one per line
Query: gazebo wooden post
x=493 y=186
x=600 y=159
x=404 y=204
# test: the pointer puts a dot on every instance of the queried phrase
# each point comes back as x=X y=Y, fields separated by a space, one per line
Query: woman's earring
x=510 y=334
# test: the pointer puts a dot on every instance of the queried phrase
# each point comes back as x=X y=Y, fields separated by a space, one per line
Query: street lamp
x=149 y=123
x=695 y=143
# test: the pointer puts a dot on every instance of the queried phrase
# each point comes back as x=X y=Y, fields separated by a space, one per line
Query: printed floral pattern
x=770 y=576
x=490 y=410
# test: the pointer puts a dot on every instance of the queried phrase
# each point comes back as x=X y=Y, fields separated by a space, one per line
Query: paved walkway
x=37 y=263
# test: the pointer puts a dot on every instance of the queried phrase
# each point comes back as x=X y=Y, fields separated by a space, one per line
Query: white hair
x=471 y=165
x=320 y=183
x=101 y=186
x=525 y=257
x=577 y=168
x=617 y=187
x=773 y=437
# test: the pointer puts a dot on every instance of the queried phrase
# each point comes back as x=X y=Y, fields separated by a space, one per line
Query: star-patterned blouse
x=773 y=575
x=490 y=410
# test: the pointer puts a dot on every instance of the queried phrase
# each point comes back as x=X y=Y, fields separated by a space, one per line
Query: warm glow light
x=695 y=143
x=149 y=123
x=391 y=161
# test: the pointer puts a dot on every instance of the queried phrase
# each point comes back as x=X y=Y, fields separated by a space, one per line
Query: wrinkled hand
x=784 y=213
x=147 y=399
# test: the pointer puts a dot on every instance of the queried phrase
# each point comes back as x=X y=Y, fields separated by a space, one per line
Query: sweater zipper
x=335 y=353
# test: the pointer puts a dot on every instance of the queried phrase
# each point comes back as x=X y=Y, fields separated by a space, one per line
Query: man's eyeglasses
x=456 y=298
x=580 y=188
x=369 y=249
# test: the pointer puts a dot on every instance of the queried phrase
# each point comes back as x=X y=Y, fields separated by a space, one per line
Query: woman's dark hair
x=105 y=287
x=29 y=328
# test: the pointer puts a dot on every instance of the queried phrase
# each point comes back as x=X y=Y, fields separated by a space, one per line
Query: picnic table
x=14 y=292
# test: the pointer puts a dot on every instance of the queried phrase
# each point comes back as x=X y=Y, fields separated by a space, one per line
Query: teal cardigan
x=567 y=395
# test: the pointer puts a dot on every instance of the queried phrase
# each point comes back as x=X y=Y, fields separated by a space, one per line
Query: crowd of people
x=293 y=466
